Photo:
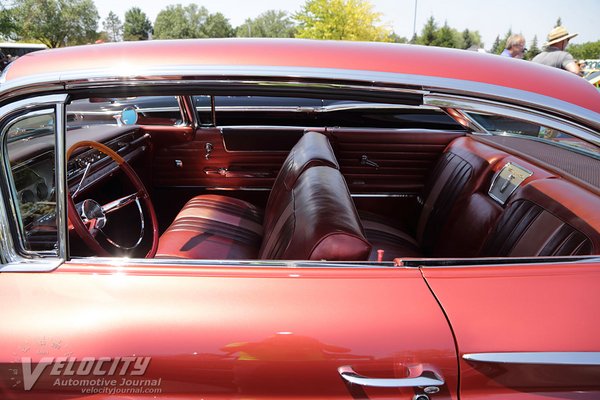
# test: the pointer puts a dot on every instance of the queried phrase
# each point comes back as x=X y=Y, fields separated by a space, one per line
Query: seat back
x=319 y=221
x=312 y=149
x=548 y=217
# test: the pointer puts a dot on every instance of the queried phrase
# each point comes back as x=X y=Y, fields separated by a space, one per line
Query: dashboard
x=33 y=170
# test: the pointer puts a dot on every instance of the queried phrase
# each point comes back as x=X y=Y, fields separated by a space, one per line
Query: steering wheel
x=89 y=217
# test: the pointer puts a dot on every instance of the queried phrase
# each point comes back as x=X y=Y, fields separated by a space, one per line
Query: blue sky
x=489 y=17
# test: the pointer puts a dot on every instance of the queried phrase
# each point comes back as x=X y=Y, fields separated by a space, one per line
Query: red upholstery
x=309 y=215
x=319 y=221
x=312 y=149
x=215 y=227
x=546 y=216
x=456 y=175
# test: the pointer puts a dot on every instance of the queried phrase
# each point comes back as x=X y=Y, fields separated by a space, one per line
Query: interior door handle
x=427 y=378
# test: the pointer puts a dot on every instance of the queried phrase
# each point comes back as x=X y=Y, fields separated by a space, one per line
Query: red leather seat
x=456 y=175
x=299 y=221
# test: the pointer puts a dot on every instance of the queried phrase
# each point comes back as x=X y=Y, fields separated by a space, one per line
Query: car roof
x=128 y=57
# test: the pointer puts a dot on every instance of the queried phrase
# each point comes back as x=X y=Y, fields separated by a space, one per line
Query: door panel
x=229 y=332
x=194 y=164
x=515 y=310
x=402 y=158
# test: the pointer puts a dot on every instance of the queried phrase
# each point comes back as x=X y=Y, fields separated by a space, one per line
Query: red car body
x=497 y=327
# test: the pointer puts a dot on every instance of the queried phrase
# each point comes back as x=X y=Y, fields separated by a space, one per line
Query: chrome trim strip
x=370 y=80
x=60 y=172
x=383 y=195
x=519 y=113
x=121 y=261
x=538 y=358
x=12 y=260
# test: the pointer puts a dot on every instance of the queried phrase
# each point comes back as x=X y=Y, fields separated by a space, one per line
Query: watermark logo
x=64 y=368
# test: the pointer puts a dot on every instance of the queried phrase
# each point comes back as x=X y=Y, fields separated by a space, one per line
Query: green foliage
x=272 y=23
x=191 y=21
x=429 y=33
x=217 y=26
x=497 y=46
x=432 y=35
x=56 y=22
x=589 y=50
x=395 y=38
x=533 y=50
x=113 y=27
x=7 y=25
x=137 y=26
x=340 y=20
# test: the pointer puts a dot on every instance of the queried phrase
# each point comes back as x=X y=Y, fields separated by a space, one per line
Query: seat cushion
x=394 y=241
x=214 y=227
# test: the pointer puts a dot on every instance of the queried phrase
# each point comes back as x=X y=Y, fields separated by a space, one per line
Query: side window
x=28 y=142
x=500 y=125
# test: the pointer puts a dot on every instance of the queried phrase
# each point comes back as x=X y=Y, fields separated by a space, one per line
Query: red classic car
x=303 y=219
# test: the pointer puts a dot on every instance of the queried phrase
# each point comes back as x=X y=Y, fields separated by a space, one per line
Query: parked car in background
x=10 y=51
x=293 y=218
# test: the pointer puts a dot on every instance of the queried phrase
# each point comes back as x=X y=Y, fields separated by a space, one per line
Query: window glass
x=30 y=154
x=317 y=112
x=501 y=125
x=151 y=110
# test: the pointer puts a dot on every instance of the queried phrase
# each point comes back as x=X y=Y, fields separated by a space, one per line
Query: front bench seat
x=221 y=227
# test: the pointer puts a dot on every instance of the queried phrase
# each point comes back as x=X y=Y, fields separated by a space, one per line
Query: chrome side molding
x=590 y=358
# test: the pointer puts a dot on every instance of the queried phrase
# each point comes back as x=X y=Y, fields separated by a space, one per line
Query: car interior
x=272 y=177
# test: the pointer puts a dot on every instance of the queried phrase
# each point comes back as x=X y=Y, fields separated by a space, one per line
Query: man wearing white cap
x=554 y=54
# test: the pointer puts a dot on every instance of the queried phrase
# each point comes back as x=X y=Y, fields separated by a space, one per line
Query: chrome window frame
x=12 y=258
x=436 y=92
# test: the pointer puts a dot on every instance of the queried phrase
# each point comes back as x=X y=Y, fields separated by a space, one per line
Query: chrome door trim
x=590 y=358
x=13 y=261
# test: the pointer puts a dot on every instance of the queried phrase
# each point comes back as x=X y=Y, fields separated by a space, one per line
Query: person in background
x=554 y=53
x=515 y=46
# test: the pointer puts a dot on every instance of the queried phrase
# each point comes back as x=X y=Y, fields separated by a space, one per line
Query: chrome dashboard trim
x=587 y=358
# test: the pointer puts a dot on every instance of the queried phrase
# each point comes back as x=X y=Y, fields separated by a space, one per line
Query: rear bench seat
x=546 y=216
x=309 y=216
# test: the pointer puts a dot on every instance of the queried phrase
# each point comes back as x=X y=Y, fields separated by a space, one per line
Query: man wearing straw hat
x=554 y=54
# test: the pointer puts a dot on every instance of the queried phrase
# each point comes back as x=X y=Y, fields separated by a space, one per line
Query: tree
x=467 y=39
x=56 y=22
x=191 y=21
x=340 y=20
x=445 y=37
x=533 y=50
x=137 y=26
x=178 y=22
x=585 y=50
x=271 y=23
x=7 y=25
x=497 y=47
x=395 y=38
x=217 y=26
x=429 y=33
x=113 y=27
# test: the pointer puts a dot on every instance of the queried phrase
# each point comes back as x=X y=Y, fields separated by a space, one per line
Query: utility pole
x=415 y=20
